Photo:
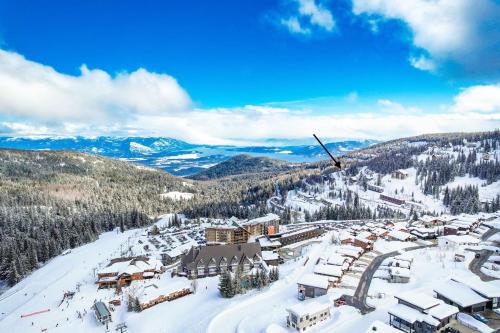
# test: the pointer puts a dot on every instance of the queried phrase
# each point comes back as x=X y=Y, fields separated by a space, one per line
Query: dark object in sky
x=337 y=163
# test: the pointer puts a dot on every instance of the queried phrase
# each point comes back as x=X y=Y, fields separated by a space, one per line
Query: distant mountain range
x=175 y=156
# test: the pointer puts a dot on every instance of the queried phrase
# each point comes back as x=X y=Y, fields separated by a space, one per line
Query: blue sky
x=247 y=64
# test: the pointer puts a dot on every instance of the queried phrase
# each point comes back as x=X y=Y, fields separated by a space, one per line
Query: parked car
x=451 y=330
x=480 y=317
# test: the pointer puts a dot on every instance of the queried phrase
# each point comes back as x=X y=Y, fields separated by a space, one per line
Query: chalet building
x=264 y=225
x=159 y=292
x=380 y=232
x=488 y=290
x=122 y=271
x=375 y=188
x=399 y=174
x=431 y=221
x=346 y=238
x=205 y=261
x=402 y=236
x=239 y=232
x=271 y=258
x=392 y=200
x=102 y=313
x=368 y=235
x=420 y=313
x=312 y=285
x=337 y=259
x=227 y=234
x=424 y=233
x=298 y=235
x=332 y=272
x=461 y=296
x=307 y=314
x=350 y=251
x=363 y=243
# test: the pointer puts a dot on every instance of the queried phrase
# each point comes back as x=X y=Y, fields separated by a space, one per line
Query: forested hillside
x=55 y=200
x=244 y=164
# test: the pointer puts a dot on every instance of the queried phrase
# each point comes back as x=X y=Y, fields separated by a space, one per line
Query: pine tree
x=137 y=305
x=225 y=287
x=14 y=277
x=130 y=303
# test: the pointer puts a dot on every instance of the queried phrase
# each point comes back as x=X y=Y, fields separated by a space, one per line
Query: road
x=358 y=300
x=476 y=264
x=489 y=233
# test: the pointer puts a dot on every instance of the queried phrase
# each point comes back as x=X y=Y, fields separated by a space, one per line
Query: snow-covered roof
x=314 y=280
x=364 y=234
x=266 y=242
x=488 y=289
x=149 y=291
x=363 y=240
x=330 y=270
x=420 y=300
x=263 y=219
x=269 y=255
x=459 y=293
x=307 y=308
x=443 y=311
x=336 y=259
x=400 y=235
x=380 y=327
x=429 y=218
x=412 y=315
x=344 y=235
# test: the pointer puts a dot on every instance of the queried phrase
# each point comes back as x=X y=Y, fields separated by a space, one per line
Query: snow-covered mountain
x=176 y=156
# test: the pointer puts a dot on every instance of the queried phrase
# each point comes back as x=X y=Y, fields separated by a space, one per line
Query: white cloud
x=395 y=107
x=463 y=32
x=309 y=14
x=318 y=14
x=423 y=63
x=484 y=99
x=37 y=100
x=294 y=26
x=31 y=90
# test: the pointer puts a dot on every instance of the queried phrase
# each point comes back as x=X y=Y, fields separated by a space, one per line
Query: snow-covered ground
x=175 y=195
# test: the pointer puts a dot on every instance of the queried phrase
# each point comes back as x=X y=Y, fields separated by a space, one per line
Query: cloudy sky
x=242 y=72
